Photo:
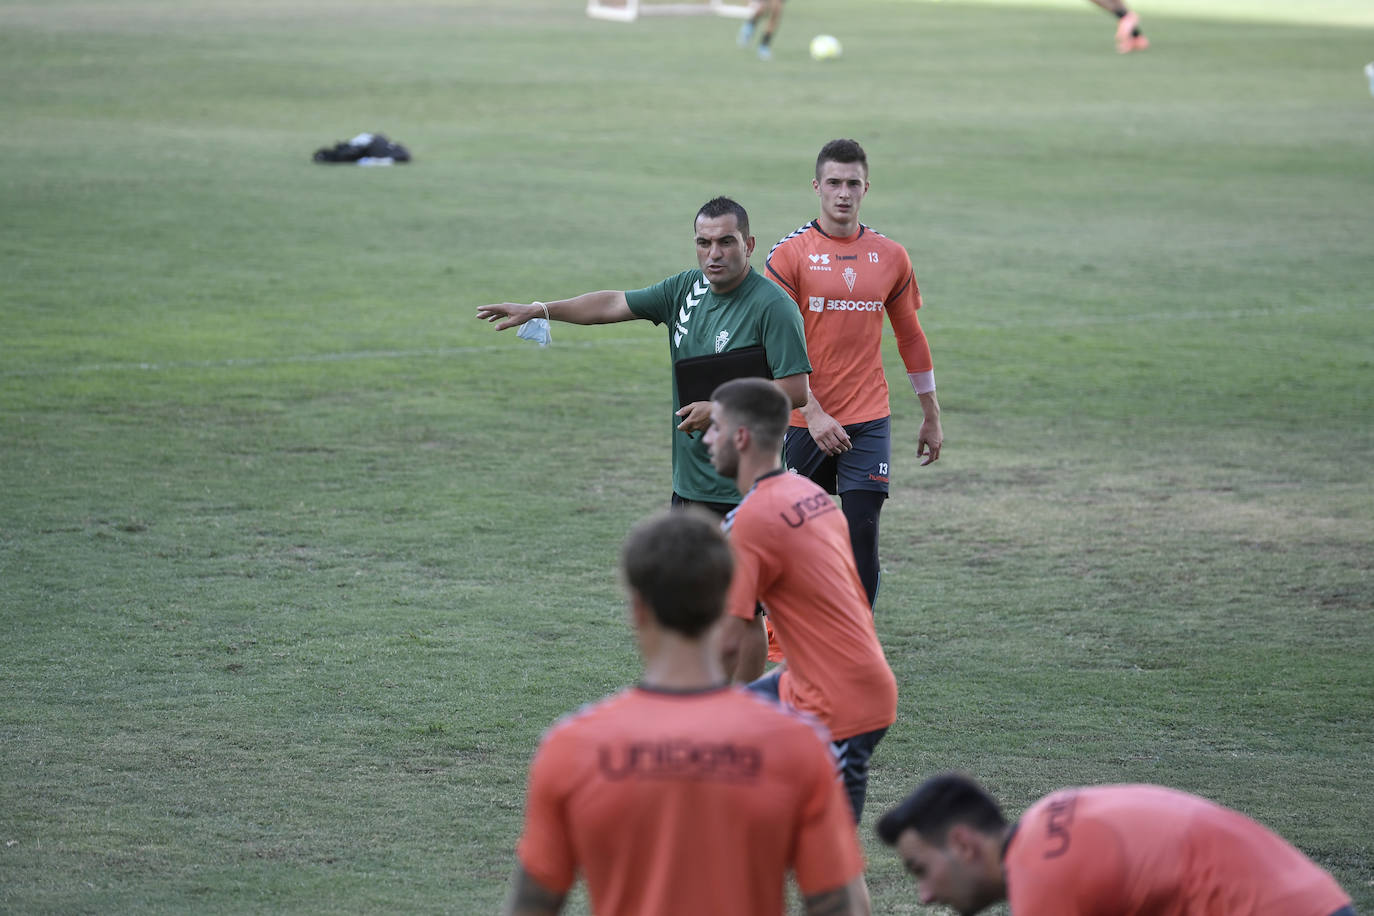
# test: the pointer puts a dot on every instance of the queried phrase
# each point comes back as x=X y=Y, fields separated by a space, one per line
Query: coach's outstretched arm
x=605 y=306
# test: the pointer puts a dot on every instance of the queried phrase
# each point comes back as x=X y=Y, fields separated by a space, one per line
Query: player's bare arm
x=850 y=900
x=931 y=436
x=530 y=898
x=738 y=644
x=796 y=388
x=604 y=306
x=753 y=655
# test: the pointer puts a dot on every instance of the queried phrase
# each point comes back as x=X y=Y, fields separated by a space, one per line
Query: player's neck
x=679 y=663
x=752 y=467
x=838 y=230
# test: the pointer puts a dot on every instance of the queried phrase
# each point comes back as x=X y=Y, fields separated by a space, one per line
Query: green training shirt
x=757 y=313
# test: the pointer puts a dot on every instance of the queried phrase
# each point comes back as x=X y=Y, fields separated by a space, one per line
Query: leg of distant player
x=862 y=482
x=853 y=754
x=1128 y=35
x=774 y=17
x=773 y=10
x=861 y=508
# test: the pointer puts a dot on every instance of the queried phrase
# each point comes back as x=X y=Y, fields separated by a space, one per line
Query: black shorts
x=866 y=466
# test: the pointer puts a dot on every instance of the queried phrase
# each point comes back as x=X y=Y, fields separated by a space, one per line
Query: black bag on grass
x=364 y=149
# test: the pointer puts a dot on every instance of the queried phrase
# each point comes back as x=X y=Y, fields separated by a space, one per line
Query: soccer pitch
x=298 y=559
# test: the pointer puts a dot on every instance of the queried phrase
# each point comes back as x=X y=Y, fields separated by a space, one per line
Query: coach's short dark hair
x=758 y=405
x=720 y=206
x=842 y=151
x=679 y=562
x=938 y=804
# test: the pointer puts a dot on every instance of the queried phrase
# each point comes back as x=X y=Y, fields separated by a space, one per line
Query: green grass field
x=298 y=559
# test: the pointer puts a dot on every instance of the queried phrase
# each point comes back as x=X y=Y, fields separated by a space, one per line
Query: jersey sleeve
x=545 y=849
x=902 y=304
x=828 y=854
x=654 y=303
x=781 y=268
x=784 y=339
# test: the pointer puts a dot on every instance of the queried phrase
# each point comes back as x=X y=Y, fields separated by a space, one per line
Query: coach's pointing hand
x=509 y=314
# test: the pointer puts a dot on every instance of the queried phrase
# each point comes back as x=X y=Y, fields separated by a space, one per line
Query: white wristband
x=922 y=382
x=545 y=308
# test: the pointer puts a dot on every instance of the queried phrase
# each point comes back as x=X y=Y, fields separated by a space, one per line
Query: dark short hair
x=841 y=151
x=721 y=206
x=938 y=804
x=679 y=562
x=758 y=405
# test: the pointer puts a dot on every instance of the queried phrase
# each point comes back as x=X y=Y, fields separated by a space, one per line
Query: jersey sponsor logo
x=684 y=313
x=852 y=305
x=850 y=275
x=803 y=510
x=846 y=257
x=680 y=758
x=819 y=258
x=817 y=303
x=722 y=339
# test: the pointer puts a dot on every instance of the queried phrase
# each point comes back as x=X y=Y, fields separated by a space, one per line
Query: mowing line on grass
x=349 y=356
x=1061 y=322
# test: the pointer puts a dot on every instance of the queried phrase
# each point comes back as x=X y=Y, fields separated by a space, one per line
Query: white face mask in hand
x=536 y=329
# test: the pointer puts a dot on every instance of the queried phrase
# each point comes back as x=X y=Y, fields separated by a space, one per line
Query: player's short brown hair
x=758 y=405
x=680 y=564
x=842 y=151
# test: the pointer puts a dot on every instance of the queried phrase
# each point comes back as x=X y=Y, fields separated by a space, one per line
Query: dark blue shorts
x=866 y=466
x=851 y=754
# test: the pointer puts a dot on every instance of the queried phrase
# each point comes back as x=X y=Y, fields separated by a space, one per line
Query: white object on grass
x=630 y=10
x=825 y=47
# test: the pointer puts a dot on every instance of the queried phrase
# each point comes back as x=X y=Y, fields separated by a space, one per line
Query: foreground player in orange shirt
x=1127 y=850
x=844 y=277
x=792 y=554
x=684 y=795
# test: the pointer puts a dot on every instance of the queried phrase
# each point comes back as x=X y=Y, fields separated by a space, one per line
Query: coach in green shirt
x=722 y=306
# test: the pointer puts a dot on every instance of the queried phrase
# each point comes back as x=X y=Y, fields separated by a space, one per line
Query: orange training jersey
x=687 y=803
x=792 y=552
x=1139 y=850
x=843 y=286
